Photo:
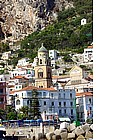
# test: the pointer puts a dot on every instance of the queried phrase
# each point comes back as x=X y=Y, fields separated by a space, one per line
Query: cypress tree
x=34 y=105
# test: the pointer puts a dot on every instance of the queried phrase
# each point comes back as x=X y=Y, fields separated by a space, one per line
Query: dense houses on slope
x=68 y=95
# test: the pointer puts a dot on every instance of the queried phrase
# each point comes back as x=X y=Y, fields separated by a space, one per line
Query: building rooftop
x=42 y=49
x=29 y=88
x=90 y=47
x=84 y=94
x=19 y=77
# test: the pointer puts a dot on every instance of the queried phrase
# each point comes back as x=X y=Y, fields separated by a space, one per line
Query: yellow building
x=79 y=80
x=43 y=71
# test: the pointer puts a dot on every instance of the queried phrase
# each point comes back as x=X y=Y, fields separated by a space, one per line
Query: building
x=18 y=71
x=79 y=80
x=3 y=95
x=83 y=21
x=43 y=71
x=84 y=106
x=53 y=54
x=17 y=83
x=88 y=54
x=53 y=103
x=23 y=62
x=59 y=71
x=6 y=55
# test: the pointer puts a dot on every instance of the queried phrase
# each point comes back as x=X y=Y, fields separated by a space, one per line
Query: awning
x=63 y=119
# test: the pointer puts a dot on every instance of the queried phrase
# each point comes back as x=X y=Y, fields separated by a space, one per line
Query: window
x=64 y=103
x=44 y=102
x=71 y=103
x=29 y=94
x=60 y=104
x=1 y=100
x=59 y=95
x=1 y=90
x=51 y=95
x=71 y=95
x=60 y=111
x=40 y=94
x=90 y=100
x=65 y=111
x=64 y=95
x=40 y=73
x=71 y=111
x=28 y=102
x=18 y=102
x=44 y=94
x=52 y=103
x=40 y=61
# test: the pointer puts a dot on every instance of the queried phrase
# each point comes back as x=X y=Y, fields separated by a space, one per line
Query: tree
x=34 y=105
x=11 y=113
x=23 y=112
x=2 y=114
x=11 y=116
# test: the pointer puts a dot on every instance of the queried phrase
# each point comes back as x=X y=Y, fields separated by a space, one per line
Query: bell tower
x=43 y=71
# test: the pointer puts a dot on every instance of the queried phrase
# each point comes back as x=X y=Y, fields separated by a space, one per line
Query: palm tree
x=24 y=110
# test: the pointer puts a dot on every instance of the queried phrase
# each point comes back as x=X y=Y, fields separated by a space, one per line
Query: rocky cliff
x=19 y=18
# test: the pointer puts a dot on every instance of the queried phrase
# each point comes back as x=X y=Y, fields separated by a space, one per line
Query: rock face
x=18 y=18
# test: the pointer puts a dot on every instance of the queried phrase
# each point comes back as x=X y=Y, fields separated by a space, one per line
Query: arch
x=40 y=61
x=18 y=102
x=40 y=73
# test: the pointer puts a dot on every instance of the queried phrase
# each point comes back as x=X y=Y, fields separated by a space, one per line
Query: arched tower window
x=18 y=102
x=40 y=61
x=40 y=73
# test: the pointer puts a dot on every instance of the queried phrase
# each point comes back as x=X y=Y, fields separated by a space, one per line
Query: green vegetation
x=25 y=112
x=65 y=34
x=4 y=47
x=34 y=105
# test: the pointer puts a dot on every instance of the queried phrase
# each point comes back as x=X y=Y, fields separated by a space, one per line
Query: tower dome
x=42 y=49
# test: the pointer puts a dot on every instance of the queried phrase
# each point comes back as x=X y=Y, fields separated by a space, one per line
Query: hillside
x=66 y=33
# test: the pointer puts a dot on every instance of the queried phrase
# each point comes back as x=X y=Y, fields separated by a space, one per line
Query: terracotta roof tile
x=84 y=93
x=20 y=77
x=90 y=47
x=29 y=88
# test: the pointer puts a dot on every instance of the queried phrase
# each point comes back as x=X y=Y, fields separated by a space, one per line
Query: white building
x=27 y=72
x=6 y=55
x=59 y=71
x=83 y=21
x=88 y=54
x=84 y=106
x=53 y=54
x=52 y=102
x=23 y=62
x=17 y=83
